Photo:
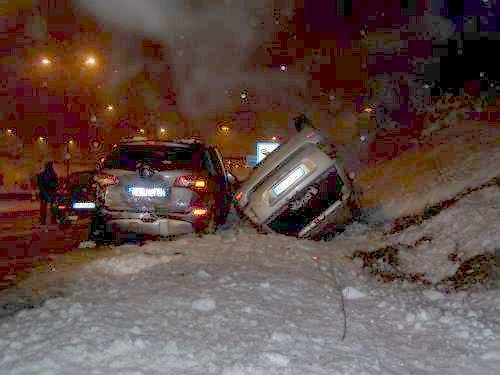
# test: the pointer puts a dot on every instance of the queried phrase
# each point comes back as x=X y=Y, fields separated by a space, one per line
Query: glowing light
x=368 y=110
x=225 y=128
x=142 y=131
x=110 y=108
x=162 y=130
x=200 y=211
x=9 y=131
x=243 y=95
x=90 y=61
x=71 y=142
x=283 y=67
x=46 y=61
x=41 y=139
x=274 y=138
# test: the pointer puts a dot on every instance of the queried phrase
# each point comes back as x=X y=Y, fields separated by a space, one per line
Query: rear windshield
x=161 y=158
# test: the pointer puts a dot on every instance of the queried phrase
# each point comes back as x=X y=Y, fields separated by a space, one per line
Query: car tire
x=98 y=232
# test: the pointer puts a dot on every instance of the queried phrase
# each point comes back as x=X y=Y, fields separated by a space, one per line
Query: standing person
x=47 y=183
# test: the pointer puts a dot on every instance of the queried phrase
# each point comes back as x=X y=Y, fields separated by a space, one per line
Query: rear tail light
x=191 y=182
x=200 y=212
x=61 y=207
x=104 y=180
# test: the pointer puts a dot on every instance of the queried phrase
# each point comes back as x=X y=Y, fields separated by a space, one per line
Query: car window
x=127 y=157
x=208 y=164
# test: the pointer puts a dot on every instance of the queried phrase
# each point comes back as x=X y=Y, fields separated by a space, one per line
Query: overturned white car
x=300 y=189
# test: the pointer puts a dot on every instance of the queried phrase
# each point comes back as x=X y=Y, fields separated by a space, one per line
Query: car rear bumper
x=161 y=227
x=120 y=222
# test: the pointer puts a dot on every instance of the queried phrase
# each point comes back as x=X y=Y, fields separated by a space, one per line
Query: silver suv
x=300 y=189
x=161 y=189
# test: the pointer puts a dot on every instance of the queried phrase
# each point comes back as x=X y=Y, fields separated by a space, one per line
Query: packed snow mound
x=128 y=264
x=245 y=303
x=458 y=158
x=435 y=248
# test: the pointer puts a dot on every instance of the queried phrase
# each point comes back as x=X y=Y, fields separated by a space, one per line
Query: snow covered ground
x=239 y=303
x=243 y=303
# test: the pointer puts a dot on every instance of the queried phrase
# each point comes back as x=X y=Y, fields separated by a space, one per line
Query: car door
x=222 y=181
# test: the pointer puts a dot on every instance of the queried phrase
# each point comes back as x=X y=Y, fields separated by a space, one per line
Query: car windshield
x=128 y=157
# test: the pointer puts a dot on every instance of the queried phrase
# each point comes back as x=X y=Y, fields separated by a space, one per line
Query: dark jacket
x=47 y=183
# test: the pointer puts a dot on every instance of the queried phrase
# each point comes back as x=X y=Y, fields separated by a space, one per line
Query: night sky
x=189 y=74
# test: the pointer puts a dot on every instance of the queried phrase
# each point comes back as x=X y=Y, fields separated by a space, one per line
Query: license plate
x=87 y=205
x=289 y=180
x=136 y=191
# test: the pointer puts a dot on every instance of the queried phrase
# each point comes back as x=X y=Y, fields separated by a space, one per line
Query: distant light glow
x=162 y=130
x=9 y=131
x=110 y=107
x=368 y=110
x=243 y=95
x=274 y=138
x=41 y=139
x=46 y=61
x=283 y=67
x=224 y=128
x=142 y=131
x=90 y=61
x=71 y=141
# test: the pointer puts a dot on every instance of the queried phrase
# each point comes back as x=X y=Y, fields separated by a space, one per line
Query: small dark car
x=76 y=197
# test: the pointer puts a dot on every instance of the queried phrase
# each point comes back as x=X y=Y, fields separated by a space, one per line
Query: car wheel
x=98 y=232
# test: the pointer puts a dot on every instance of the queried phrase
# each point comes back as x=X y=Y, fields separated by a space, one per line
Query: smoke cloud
x=210 y=46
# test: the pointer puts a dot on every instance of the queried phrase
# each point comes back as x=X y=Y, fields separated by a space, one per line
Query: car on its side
x=160 y=188
x=300 y=189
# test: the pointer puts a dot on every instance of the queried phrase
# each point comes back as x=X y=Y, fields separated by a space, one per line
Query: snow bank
x=243 y=303
x=459 y=158
x=128 y=264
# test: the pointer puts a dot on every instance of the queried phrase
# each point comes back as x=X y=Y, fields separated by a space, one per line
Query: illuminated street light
x=142 y=131
x=225 y=128
x=90 y=61
x=71 y=142
x=41 y=139
x=243 y=96
x=283 y=67
x=46 y=62
x=110 y=108
x=274 y=138
x=162 y=130
x=368 y=110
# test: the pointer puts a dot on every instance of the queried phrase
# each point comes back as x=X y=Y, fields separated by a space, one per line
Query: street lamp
x=46 y=61
x=110 y=108
x=90 y=61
